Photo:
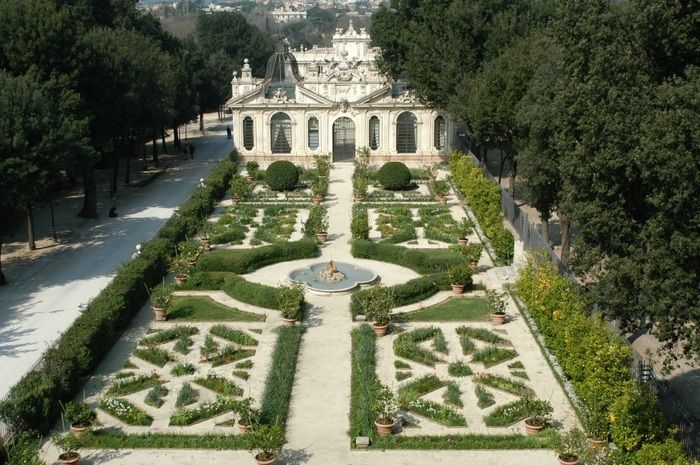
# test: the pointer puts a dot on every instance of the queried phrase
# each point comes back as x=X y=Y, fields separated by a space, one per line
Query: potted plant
x=465 y=228
x=472 y=253
x=179 y=267
x=290 y=299
x=539 y=414
x=319 y=190
x=431 y=171
x=377 y=306
x=79 y=416
x=247 y=415
x=239 y=188
x=496 y=303
x=267 y=442
x=207 y=231
x=570 y=446
x=322 y=231
x=597 y=427
x=251 y=169
x=323 y=165
x=385 y=409
x=161 y=296
x=68 y=445
x=460 y=276
x=359 y=187
x=440 y=188
x=189 y=251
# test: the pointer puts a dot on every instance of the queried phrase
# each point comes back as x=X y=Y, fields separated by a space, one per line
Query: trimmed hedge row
x=35 y=400
x=278 y=386
x=484 y=198
x=242 y=261
x=236 y=286
x=596 y=362
x=363 y=378
x=423 y=261
x=407 y=293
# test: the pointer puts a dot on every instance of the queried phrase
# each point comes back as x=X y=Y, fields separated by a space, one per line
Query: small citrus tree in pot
x=189 y=251
x=161 y=296
x=251 y=168
x=570 y=446
x=539 y=414
x=291 y=297
x=440 y=188
x=472 y=253
x=377 y=305
x=465 y=227
x=179 y=267
x=240 y=188
x=69 y=446
x=79 y=416
x=597 y=428
x=248 y=416
x=385 y=409
x=496 y=303
x=267 y=442
x=460 y=277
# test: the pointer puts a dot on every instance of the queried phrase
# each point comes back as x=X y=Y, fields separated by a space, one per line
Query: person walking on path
x=228 y=132
x=191 y=151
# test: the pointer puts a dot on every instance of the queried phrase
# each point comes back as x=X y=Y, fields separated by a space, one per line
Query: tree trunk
x=3 y=281
x=201 y=122
x=565 y=225
x=176 y=137
x=127 y=175
x=500 y=168
x=154 y=150
x=30 y=229
x=545 y=227
x=89 y=209
x=115 y=174
x=162 y=140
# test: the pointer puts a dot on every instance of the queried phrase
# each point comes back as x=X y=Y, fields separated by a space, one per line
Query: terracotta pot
x=264 y=462
x=462 y=242
x=318 y=200
x=159 y=313
x=206 y=243
x=236 y=200
x=596 y=444
x=568 y=462
x=78 y=429
x=458 y=289
x=533 y=429
x=69 y=459
x=192 y=263
x=384 y=430
x=244 y=428
x=248 y=177
x=441 y=199
x=473 y=265
x=379 y=330
x=180 y=279
x=289 y=321
x=322 y=236
x=497 y=319
x=359 y=199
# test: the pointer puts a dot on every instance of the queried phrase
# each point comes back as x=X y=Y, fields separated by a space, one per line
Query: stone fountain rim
x=356 y=283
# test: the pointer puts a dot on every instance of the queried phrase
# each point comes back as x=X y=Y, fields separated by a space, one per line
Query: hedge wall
x=419 y=260
x=236 y=286
x=242 y=261
x=484 y=199
x=407 y=293
x=596 y=362
x=34 y=402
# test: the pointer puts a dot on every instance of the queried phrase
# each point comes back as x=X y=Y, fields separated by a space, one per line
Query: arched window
x=406 y=133
x=248 y=139
x=440 y=133
x=313 y=133
x=281 y=133
x=374 y=132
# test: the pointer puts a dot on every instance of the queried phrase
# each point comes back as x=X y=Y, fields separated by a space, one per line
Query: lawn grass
x=454 y=309
x=205 y=309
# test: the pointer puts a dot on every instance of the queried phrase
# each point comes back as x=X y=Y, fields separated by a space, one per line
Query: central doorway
x=343 y=139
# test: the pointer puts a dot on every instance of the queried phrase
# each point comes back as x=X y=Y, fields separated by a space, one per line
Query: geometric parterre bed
x=188 y=378
x=460 y=378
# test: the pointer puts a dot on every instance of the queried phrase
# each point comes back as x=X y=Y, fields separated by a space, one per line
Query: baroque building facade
x=333 y=100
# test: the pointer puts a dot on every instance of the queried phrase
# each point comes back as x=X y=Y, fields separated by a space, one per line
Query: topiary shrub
x=282 y=175
x=394 y=176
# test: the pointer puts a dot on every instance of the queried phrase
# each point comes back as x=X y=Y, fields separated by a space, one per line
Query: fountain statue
x=331 y=273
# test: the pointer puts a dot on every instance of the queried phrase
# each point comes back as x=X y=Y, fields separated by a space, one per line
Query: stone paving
x=318 y=422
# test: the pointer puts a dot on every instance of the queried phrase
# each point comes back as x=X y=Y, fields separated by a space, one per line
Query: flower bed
x=504 y=384
x=484 y=397
x=277 y=225
x=492 y=355
x=220 y=385
x=459 y=369
x=233 y=335
x=129 y=385
x=406 y=345
x=167 y=335
x=481 y=334
x=506 y=415
x=154 y=355
x=205 y=411
x=125 y=411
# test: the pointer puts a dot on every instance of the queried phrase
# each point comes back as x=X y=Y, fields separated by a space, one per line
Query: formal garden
x=441 y=353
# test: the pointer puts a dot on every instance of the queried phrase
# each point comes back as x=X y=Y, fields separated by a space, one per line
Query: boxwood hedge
x=34 y=402
x=423 y=261
x=241 y=261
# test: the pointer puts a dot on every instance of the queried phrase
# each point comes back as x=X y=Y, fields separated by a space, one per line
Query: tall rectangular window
x=406 y=133
x=248 y=139
x=313 y=133
x=374 y=133
x=440 y=133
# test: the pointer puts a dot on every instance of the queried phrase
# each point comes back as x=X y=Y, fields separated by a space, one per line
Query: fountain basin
x=352 y=277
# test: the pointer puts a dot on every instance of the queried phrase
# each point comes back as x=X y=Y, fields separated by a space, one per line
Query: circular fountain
x=332 y=277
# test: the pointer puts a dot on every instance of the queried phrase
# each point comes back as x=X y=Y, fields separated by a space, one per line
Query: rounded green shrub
x=282 y=175
x=394 y=176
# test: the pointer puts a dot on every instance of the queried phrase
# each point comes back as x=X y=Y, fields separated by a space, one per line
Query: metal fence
x=688 y=428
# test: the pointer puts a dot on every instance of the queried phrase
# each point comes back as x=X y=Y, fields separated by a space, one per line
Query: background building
x=333 y=100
